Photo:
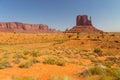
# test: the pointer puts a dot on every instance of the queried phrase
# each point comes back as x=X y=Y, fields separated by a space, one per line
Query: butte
x=83 y=24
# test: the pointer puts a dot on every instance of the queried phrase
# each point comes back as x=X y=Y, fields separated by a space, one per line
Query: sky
x=61 y=14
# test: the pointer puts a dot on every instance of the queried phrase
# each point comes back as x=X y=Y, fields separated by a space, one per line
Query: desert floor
x=45 y=56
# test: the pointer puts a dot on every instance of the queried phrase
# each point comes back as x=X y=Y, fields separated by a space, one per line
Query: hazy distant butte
x=25 y=28
x=83 y=24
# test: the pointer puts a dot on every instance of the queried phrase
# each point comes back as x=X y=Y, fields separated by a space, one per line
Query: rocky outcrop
x=22 y=27
x=83 y=24
x=82 y=20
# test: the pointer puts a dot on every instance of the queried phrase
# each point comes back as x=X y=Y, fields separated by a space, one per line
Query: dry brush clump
x=98 y=51
x=32 y=53
x=102 y=73
x=61 y=78
x=5 y=61
x=23 y=78
x=18 y=57
x=111 y=60
x=26 y=59
x=53 y=60
x=28 y=63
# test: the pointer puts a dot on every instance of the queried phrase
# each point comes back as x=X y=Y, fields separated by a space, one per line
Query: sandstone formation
x=24 y=28
x=83 y=24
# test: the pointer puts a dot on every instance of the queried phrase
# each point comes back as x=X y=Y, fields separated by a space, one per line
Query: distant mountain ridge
x=24 y=28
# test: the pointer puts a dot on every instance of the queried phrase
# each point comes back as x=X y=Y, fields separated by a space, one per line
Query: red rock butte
x=24 y=28
x=83 y=24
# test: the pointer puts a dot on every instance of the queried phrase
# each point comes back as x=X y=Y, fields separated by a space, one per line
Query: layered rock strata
x=24 y=28
x=83 y=24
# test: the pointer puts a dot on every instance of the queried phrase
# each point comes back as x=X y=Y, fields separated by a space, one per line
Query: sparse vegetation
x=24 y=50
x=98 y=51
x=5 y=62
x=20 y=55
x=53 y=60
x=69 y=36
x=97 y=71
x=28 y=63
x=16 y=60
x=105 y=73
x=23 y=78
x=59 y=41
x=61 y=78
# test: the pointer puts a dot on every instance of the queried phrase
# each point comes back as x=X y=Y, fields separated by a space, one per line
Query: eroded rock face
x=82 y=20
x=83 y=24
x=22 y=27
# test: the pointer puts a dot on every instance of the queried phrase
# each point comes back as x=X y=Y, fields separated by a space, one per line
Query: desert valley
x=35 y=52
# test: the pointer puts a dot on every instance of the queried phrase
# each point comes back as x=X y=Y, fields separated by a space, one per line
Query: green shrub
x=97 y=71
x=49 y=60
x=34 y=53
x=117 y=74
x=60 y=55
x=20 y=55
x=69 y=36
x=28 y=63
x=60 y=62
x=108 y=64
x=105 y=77
x=53 y=60
x=61 y=78
x=98 y=51
x=34 y=60
x=23 y=78
x=105 y=73
x=5 y=56
x=16 y=60
x=5 y=62
x=59 y=42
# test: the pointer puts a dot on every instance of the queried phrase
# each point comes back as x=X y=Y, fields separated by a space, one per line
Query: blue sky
x=61 y=14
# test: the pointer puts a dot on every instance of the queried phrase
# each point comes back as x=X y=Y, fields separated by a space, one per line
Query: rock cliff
x=25 y=28
x=83 y=24
x=82 y=20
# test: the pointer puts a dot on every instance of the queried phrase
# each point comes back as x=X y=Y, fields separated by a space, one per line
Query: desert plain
x=60 y=56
